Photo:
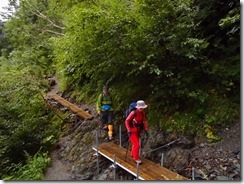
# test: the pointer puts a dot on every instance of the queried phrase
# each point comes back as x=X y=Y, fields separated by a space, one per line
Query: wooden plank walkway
x=148 y=170
x=74 y=108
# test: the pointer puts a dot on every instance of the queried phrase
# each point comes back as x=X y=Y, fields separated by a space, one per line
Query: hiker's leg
x=110 y=131
x=110 y=125
x=103 y=120
x=135 y=145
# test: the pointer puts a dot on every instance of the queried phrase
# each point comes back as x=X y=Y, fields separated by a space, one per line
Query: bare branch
x=50 y=31
x=39 y=14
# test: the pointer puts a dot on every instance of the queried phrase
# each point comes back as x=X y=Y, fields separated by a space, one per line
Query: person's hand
x=99 y=113
x=129 y=133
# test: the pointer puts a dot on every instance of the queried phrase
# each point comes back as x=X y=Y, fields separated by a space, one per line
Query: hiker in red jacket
x=135 y=122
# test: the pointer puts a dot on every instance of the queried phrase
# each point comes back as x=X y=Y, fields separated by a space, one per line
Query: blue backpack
x=131 y=108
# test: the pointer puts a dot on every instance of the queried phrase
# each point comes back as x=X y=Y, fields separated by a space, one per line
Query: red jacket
x=139 y=117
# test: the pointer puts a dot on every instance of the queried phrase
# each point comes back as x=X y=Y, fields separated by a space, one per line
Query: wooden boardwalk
x=74 y=108
x=148 y=170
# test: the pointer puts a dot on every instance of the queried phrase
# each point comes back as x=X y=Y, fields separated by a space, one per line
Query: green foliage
x=92 y=43
x=25 y=122
x=206 y=119
x=22 y=111
x=163 y=44
x=210 y=135
x=221 y=111
x=182 y=123
x=34 y=168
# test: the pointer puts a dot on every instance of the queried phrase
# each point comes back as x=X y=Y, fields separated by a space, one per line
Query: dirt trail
x=58 y=170
x=54 y=86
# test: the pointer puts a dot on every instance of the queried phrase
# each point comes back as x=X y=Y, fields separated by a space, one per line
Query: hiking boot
x=138 y=161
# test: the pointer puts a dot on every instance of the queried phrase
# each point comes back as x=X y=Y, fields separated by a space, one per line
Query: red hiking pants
x=135 y=141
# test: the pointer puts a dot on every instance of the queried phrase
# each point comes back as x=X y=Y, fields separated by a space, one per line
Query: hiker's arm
x=128 y=120
x=99 y=104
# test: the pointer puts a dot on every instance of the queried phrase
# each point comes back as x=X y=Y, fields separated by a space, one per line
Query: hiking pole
x=127 y=147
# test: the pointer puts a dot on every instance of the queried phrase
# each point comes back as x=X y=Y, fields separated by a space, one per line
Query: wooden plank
x=148 y=170
x=74 y=108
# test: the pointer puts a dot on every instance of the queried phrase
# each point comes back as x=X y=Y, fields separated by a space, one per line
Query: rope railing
x=166 y=145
